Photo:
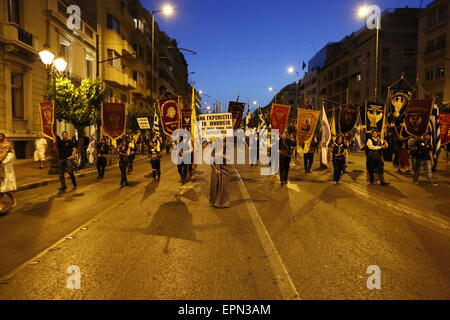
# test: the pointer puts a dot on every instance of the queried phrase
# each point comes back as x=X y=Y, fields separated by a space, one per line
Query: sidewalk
x=29 y=176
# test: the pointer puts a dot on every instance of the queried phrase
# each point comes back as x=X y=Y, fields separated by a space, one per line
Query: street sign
x=216 y=125
x=143 y=123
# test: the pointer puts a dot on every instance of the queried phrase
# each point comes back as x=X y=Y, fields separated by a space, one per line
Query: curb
x=87 y=173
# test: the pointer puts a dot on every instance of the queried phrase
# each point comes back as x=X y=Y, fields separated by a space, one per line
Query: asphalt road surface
x=308 y=240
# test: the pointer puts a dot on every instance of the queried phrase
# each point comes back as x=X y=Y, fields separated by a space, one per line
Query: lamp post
x=53 y=66
x=292 y=70
x=272 y=89
x=167 y=11
x=372 y=14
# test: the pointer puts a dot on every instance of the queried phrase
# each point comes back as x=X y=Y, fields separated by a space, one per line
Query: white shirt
x=40 y=144
x=372 y=147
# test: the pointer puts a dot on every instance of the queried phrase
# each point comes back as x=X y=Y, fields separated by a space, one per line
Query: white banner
x=143 y=123
x=216 y=125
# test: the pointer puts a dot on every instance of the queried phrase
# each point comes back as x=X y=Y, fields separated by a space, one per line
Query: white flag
x=326 y=136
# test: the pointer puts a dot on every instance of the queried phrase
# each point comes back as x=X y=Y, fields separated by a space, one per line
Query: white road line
x=426 y=216
x=279 y=270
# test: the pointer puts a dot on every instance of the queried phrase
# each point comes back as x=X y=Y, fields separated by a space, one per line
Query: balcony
x=117 y=77
x=14 y=34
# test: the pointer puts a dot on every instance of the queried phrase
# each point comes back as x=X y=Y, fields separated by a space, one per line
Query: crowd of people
x=414 y=152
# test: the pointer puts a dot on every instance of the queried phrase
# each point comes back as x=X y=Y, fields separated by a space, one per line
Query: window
x=18 y=109
x=358 y=77
x=409 y=52
x=441 y=42
x=442 y=14
x=89 y=32
x=431 y=19
x=123 y=98
x=109 y=94
x=440 y=72
x=89 y=67
x=113 y=58
x=429 y=74
x=14 y=11
x=64 y=51
x=112 y=23
x=139 y=24
x=430 y=46
x=357 y=60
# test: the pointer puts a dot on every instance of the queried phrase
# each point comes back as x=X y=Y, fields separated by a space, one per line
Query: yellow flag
x=193 y=115
x=333 y=127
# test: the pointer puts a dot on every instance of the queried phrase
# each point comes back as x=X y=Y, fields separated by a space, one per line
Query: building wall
x=433 y=46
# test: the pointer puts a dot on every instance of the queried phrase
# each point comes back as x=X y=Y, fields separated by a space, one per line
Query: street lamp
x=53 y=66
x=272 y=89
x=372 y=14
x=167 y=10
x=292 y=70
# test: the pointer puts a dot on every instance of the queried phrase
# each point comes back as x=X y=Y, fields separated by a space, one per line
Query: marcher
x=402 y=156
x=123 y=151
x=41 y=148
x=181 y=166
x=7 y=176
x=308 y=157
x=285 y=152
x=375 y=161
x=421 y=152
x=131 y=153
x=66 y=151
x=155 y=159
x=338 y=152
x=219 y=195
x=102 y=157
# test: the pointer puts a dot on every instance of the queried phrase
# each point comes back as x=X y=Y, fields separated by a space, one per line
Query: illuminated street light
x=291 y=69
x=167 y=10
x=363 y=12
x=46 y=56
x=60 y=64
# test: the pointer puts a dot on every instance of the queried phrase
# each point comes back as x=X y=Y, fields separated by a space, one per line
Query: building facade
x=113 y=42
x=434 y=53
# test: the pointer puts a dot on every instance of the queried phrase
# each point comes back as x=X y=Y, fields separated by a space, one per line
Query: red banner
x=170 y=115
x=47 y=112
x=347 y=119
x=445 y=128
x=113 y=119
x=279 y=117
x=418 y=113
x=186 y=119
x=237 y=110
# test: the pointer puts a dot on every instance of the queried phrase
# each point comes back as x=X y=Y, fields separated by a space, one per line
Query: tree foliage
x=135 y=112
x=78 y=105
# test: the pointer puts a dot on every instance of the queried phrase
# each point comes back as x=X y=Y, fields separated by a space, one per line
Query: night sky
x=246 y=46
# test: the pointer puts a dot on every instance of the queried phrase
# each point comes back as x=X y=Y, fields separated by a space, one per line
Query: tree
x=78 y=105
x=135 y=112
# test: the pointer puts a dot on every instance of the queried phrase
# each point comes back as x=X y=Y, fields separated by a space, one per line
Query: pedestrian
x=66 y=151
x=8 y=183
x=41 y=148
x=402 y=156
x=131 y=153
x=182 y=167
x=123 y=151
x=423 y=157
x=168 y=145
x=102 y=159
x=347 y=147
x=285 y=151
x=375 y=161
x=338 y=155
x=219 y=195
x=308 y=157
x=155 y=159
x=294 y=151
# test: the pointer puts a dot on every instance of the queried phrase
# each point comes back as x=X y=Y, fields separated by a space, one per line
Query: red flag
x=170 y=115
x=113 y=119
x=445 y=128
x=279 y=117
x=418 y=113
x=47 y=112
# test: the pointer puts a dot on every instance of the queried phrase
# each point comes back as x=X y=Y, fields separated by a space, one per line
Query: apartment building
x=25 y=28
x=346 y=69
x=433 y=52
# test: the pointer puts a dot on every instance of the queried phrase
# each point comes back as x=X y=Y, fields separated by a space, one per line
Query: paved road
x=309 y=240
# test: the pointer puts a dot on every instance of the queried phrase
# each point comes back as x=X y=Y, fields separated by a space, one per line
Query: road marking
x=279 y=269
x=293 y=186
x=72 y=234
x=429 y=217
